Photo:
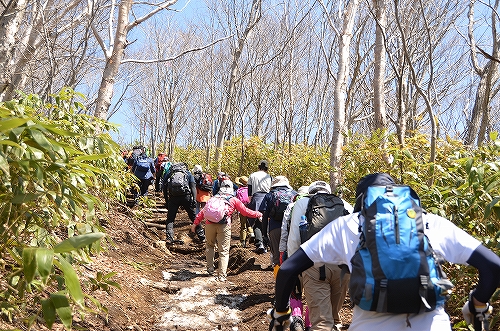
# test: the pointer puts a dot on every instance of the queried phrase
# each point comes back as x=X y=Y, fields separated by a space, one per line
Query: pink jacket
x=234 y=204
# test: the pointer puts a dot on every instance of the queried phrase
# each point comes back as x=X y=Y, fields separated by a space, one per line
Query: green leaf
x=4 y=165
x=9 y=124
x=44 y=261
x=40 y=139
x=29 y=263
x=72 y=282
x=91 y=157
x=77 y=242
x=63 y=309
x=10 y=143
x=23 y=198
x=49 y=312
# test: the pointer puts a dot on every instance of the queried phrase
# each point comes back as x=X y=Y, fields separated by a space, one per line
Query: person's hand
x=283 y=257
x=476 y=314
x=193 y=227
x=279 y=321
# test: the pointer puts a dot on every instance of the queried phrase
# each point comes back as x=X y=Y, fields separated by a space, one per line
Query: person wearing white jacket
x=337 y=243
x=324 y=289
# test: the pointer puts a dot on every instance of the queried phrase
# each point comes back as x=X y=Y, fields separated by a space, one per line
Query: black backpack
x=322 y=208
x=205 y=182
x=178 y=180
x=281 y=199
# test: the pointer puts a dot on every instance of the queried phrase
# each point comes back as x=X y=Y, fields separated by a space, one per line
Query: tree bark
x=12 y=15
x=255 y=15
x=339 y=111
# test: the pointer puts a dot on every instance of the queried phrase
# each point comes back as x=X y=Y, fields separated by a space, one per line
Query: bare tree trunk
x=12 y=15
x=339 y=111
x=113 y=62
x=379 y=67
x=421 y=92
x=255 y=15
x=489 y=75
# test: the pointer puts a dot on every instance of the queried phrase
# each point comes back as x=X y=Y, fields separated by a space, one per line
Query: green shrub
x=57 y=173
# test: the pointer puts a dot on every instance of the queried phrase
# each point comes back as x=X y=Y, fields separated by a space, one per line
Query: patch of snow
x=202 y=303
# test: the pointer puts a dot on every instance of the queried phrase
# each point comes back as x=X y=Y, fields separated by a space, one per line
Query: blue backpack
x=142 y=166
x=395 y=269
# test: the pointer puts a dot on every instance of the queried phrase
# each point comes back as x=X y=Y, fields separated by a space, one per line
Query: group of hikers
x=386 y=251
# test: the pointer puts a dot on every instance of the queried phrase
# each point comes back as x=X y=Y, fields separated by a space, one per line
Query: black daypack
x=322 y=208
x=205 y=182
x=178 y=181
x=281 y=199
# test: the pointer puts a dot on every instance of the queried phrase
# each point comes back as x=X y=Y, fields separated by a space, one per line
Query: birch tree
x=254 y=17
x=114 y=51
x=339 y=111
x=488 y=77
x=10 y=21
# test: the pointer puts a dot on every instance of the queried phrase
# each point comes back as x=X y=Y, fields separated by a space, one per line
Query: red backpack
x=159 y=161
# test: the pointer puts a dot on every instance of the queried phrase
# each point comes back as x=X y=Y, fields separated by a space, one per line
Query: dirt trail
x=169 y=289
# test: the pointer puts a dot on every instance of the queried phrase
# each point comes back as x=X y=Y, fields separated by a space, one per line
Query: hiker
x=159 y=163
x=285 y=224
x=273 y=207
x=337 y=244
x=204 y=185
x=221 y=176
x=324 y=291
x=181 y=189
x=242 y=194
x=299 y=314
x=218 y=228
x=143 y=168
x=259 y=184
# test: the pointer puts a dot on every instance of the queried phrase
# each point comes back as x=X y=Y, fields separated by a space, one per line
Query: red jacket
x=234 y=204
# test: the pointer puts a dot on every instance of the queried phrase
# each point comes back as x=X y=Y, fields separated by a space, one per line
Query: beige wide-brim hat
x=280 y=181
x=241 y=181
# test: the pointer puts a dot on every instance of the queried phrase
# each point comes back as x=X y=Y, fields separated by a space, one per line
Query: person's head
x=319 y=186
x=263 y=165
x=197 y=169
x=280 y=181
x=226 y=187
x=221 y=176
x=378 y=178
x=241 y=181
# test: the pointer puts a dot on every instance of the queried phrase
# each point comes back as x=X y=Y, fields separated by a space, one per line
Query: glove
x=283 y=257
x=279 y=321
x=475 y=315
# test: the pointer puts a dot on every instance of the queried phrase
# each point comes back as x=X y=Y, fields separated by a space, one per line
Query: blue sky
x=184 y=10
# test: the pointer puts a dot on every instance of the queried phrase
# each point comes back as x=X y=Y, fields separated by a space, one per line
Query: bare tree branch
x=176 y=56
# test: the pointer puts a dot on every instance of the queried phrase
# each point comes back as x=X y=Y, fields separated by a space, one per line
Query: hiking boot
x=261 y=249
